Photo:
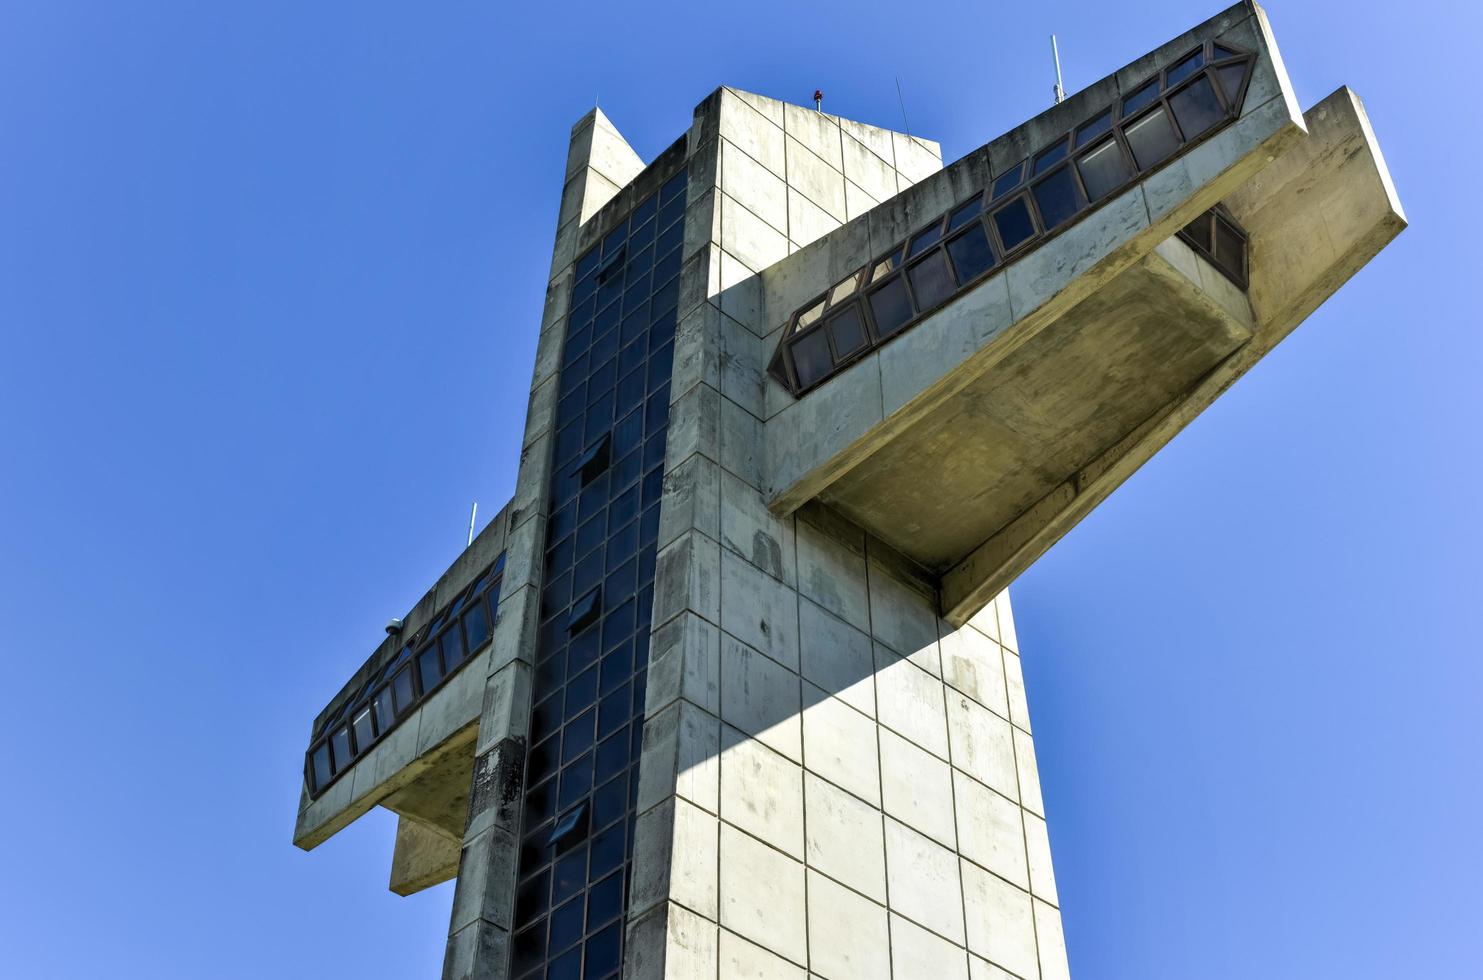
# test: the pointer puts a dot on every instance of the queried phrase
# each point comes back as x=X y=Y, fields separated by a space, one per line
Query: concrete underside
x=1003 y=442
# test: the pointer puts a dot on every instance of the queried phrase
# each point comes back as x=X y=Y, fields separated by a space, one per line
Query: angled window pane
x=808 y=317
x=811 y=360
x=1050 y=157
x=1103 y=170
x=365 y=731
x=585 y=610
x=1014 y=224
x=1230 y=249
x=925 y=240
x=931 y=281
x=587 y=264
x=1008 y=181
x=340 y=746
x=1231 y=77
x=568 y=875
x=885 y=266
x=971 y=254
x=1151 y=139
x=1197 y=108
x=381 y=702
x=430 y=667
x=577 y=737
x=453 y=648
x=891 y=307
x=847 y=330
x=1221 y=51
x=1093 y=128
x=846 y=289
x=1185 y=68
x=965 y=214
x=1198 y=231
x=1145 y=96
x=401 y=689
x=1057 y=198
x=321 y=764
x=476 y=625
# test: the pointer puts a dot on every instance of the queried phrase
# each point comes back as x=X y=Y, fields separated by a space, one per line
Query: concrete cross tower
x=731 y=687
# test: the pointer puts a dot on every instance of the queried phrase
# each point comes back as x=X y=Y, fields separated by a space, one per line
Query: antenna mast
x=1055 y=53
x=473 y=515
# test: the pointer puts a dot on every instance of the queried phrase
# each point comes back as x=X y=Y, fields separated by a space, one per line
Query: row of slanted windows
x=456 y=634
x=1019 y=210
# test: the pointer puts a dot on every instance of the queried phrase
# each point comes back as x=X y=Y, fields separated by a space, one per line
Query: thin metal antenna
x=1055 y=52
x=902 y=99
x=473 y=516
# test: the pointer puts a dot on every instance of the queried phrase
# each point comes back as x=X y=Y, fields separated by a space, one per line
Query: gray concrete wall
x=833 y=781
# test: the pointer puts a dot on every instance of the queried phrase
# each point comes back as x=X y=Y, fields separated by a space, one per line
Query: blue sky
x=270 y=276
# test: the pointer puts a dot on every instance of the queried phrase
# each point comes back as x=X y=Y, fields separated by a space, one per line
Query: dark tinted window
x=890 y=307
x=476 y=625
x=931 y=282
x=965 y=214
x=1013 y=223
x=401 y=689
x=453 y=649
x=925 y=240
x=1008 y=180
x=1103 y=169
x=848 y=331
x=971 y=254
x=321 y=763
x=1145 y=96
x=1230 y=248
x=811 y=357
x=340 y=744
x=430 y=667
x=1231 y=77
x=1197 y=108
x=1151 y=139
x=1057 y=198
x=1185 y=68
x=1093 y=128
x=1049 y=158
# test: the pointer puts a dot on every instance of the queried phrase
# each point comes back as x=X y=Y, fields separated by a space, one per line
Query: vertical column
x=599 y=164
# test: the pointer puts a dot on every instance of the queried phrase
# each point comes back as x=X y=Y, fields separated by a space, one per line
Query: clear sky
x=270 y=278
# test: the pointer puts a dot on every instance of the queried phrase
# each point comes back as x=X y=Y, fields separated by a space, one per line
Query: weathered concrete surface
x=1316 y=217
x=1011 y=435
x=815 y=441
x=424 y=856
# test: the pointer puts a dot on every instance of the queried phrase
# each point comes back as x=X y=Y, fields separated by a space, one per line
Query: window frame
x=1215 y=56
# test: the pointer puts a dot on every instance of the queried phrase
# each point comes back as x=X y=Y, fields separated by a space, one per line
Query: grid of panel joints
x=455 y=635
x=581 y=772
x=1026 y=204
